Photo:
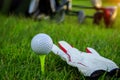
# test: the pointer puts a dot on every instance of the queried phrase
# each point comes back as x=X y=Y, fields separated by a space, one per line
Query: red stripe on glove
x=88 y=51
x=65 y=51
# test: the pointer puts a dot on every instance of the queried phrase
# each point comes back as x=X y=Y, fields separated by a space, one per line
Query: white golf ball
x=41 y=43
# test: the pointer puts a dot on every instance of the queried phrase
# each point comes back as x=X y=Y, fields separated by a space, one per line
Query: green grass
x=19 y=62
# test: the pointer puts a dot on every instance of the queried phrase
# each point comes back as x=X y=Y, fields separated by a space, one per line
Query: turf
x=19 y=62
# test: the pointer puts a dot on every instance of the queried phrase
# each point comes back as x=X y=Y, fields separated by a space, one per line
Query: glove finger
x=69 y=50
x=56 y=50
x=92 y=51
x=65 y=46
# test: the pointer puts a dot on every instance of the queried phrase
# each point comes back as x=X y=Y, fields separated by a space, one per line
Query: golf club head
x=81 y=16
x=96 y=3
x=97 y=17
x=110 y=14
x=33 y=6
x=59 y=16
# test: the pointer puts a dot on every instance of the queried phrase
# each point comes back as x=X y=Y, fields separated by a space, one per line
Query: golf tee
x=42 y=61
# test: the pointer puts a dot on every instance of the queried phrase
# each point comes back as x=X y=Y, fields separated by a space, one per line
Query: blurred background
x=21 y=6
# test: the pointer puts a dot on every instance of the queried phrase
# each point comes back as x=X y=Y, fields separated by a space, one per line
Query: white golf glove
x=89 y=63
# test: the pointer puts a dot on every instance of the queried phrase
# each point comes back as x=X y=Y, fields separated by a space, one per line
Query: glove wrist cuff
x=115 y=73
x=97 y=74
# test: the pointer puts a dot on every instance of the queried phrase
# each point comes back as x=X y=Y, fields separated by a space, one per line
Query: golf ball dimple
x=41 y=44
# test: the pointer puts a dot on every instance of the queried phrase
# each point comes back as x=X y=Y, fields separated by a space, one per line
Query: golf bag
x=14 y=6
x=38 y=8
x=42 y=6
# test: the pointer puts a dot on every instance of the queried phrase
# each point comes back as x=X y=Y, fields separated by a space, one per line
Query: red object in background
x=107 y=15
x=110 y=15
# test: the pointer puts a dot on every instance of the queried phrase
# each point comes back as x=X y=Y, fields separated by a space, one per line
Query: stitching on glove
x=65 y=51
x=81 y=64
